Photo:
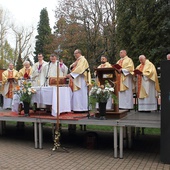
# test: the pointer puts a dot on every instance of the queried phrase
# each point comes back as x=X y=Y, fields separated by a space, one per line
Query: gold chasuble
x=9 y=80
x=80 y=66
x=125 y=63
x=148 y=70
x=25 y=73
x=105 y=65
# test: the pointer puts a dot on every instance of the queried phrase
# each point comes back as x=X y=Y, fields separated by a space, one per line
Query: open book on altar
x=117 y=66
x=136 y=71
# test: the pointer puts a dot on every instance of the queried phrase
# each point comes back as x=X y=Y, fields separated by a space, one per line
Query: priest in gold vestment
x=26 y=71
x=9 y=82
x=80 y=78
x=147 y=85
x=125 y=81
x=105 y=64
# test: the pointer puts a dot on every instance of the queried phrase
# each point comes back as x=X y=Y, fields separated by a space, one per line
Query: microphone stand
x=46 y=78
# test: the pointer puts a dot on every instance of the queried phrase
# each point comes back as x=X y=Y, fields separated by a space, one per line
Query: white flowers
x=29 y=89
x=102 y=93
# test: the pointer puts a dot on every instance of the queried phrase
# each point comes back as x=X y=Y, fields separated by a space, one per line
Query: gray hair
x=26 y=62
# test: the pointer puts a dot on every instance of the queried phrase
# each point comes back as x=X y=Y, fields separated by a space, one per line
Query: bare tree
x=3 y=32
x=97 y=17
x=23 y=45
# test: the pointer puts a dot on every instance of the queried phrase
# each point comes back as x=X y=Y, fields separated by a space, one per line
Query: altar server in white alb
x=37 y=73
x=147 y=85
x=80 y=78
x=125 y=82
x=50 y=69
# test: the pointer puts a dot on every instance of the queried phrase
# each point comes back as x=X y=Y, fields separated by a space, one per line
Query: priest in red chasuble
x=147 y=85
x=9 y=82
x=125 y=81
x=80 y=78
x=26 y=71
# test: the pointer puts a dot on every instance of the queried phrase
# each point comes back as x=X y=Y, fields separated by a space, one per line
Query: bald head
x=142 y=59
x=123 y=53
x=168 y=57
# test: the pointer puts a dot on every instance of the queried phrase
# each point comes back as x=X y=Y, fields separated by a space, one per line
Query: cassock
x=50 y=70
x=25 y=73
x=9 y=82
x=109 y=101
x=81 y=78
x=38 y=74
x=147 y=87
x=125 y=83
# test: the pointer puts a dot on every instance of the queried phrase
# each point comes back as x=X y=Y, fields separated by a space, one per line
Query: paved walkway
x=17 y=152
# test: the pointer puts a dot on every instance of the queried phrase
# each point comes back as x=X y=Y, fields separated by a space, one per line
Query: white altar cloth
x=48 y=95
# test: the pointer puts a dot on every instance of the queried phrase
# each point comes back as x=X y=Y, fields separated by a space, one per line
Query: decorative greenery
x=101 y=93
x=25 y=92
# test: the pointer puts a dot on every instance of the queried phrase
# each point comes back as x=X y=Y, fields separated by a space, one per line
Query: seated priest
x=50 y=70
x=9 y=82
x=26 y=72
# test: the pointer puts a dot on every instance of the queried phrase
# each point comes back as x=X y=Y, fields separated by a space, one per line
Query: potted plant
x=25 y=92
x=101 y=95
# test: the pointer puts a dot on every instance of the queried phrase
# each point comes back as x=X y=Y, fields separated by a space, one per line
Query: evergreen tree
x=43 y=38
x=143 y=28
x=19 y=63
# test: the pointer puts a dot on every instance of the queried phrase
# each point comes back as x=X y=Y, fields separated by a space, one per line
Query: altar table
x=48 y=96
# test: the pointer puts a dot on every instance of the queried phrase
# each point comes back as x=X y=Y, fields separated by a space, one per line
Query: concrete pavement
x=17 y=152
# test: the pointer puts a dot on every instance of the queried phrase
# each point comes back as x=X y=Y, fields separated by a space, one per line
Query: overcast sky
x=27 y=12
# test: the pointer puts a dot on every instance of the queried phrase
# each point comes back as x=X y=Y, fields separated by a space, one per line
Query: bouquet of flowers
x=25 y=92
x=101 y=93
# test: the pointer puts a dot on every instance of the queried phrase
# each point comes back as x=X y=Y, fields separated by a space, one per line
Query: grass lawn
x=153 y=131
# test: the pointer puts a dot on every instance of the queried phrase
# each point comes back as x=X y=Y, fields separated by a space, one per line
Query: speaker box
x=165 y=112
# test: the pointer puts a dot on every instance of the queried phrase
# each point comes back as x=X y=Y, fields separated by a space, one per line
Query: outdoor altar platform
x=133 y=119
x=48 y=96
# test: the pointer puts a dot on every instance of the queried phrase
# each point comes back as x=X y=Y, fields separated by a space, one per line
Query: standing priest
x=80 y=78
x=147 y=85
x=50 y=69
x=125 y=82
x=26 y=71
x=9 y=82
x=37 y=71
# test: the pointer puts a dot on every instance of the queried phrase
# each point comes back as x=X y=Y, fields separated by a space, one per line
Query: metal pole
x=57 y=133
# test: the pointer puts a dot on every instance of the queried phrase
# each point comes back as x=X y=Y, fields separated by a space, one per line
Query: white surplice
x=126 y=97
x=7 y=102
x=79 y=98
x=149 y=103
x=50 y=70
x=37 y=74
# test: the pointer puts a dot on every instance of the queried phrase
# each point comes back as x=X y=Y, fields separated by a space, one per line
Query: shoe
x=102 y=118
